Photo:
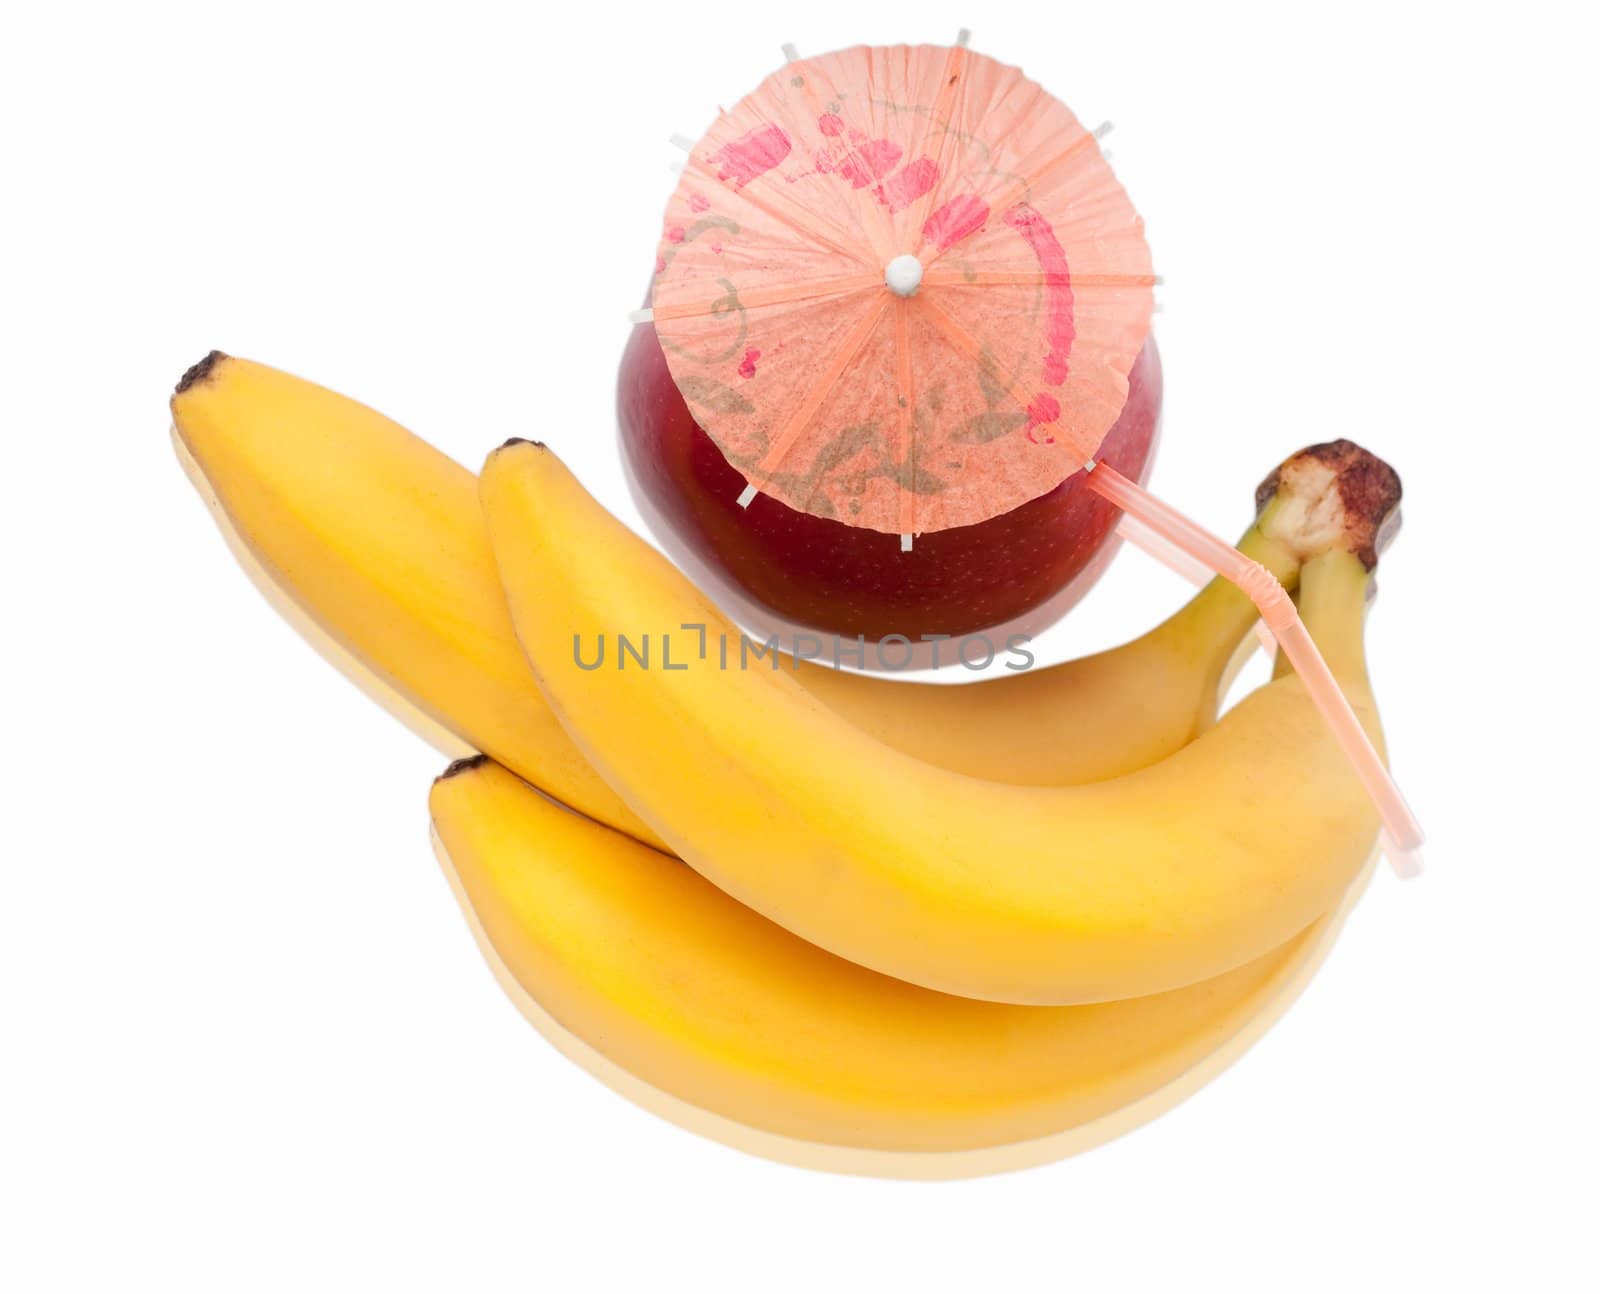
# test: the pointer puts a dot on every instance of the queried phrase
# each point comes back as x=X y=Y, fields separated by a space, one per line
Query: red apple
x=790 y=570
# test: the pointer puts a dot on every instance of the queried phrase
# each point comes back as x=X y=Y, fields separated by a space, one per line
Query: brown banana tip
x=1343 y=496
x=462 y=766
x=522 y=440
x=197 y=373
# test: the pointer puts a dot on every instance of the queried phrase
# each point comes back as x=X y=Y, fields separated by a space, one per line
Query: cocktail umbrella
x=902 y=287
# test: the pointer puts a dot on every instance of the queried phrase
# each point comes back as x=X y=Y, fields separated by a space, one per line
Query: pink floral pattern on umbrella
x=987 y=367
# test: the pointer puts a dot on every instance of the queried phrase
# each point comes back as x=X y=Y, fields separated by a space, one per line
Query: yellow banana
x=1147 y=882
x=1084 y=720
x=371 y=543
x=705 y=1012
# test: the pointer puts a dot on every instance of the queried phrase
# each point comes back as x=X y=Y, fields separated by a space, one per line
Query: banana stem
x=1332 y=597
x=1333 y=589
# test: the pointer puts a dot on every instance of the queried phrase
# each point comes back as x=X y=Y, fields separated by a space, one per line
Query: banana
x=371 y=543
x=708 y=1014
x=1045 y=895
x=1084 y=720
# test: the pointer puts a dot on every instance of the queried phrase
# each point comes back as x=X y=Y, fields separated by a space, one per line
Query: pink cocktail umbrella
x=945 y=287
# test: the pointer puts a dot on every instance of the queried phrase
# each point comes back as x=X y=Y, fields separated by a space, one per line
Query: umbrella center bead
x=903 y=275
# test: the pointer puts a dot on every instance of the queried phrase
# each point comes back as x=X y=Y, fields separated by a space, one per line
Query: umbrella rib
x=964 y=342
x=1037 y=95
x=837 y=242
x=1016 y=192
x=954 y=83
x=880 y=217
x=1037 y=278
x=905 y=392
x=771 y=297
x=801 y=418
x=1085 y=140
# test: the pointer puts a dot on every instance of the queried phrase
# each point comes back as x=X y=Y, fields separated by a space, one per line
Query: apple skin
x=1021 y=570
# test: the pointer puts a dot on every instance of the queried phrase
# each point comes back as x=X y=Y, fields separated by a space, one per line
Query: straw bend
x=1402 y=834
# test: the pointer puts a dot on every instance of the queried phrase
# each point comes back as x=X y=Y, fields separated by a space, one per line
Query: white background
x=247 y=1041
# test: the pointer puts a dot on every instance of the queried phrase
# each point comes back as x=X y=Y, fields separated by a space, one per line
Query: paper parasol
x=901 y=287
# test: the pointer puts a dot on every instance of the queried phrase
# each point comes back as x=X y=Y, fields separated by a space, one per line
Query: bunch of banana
x=1049 y=895
x=930 y=930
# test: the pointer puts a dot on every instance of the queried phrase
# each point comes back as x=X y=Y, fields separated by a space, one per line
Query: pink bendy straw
x=1178 y=560
x=1402 y=834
